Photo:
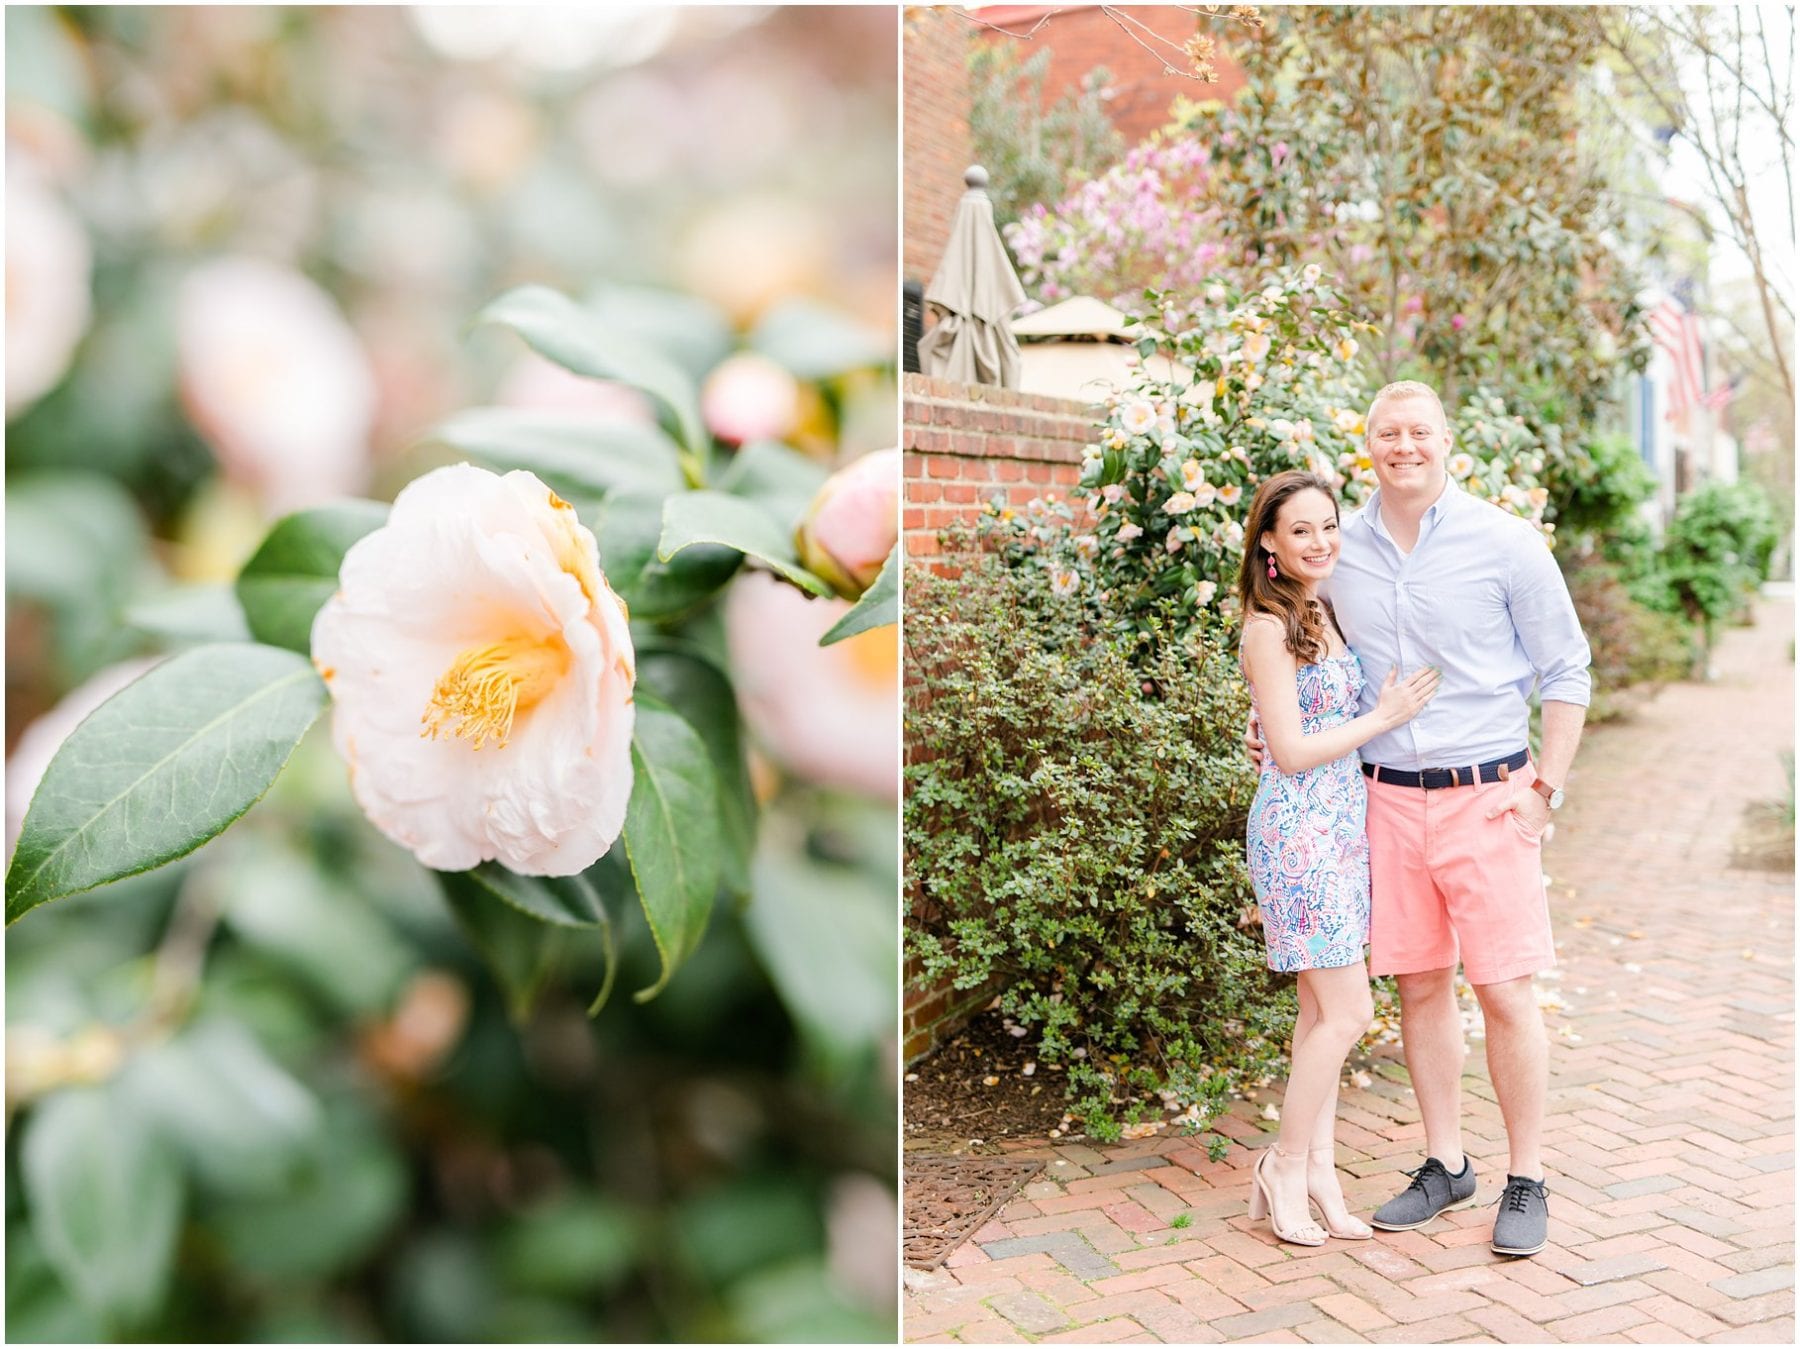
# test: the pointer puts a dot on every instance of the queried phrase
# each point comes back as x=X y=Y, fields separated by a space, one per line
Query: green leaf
x=575 y=338
x=879 y=605
x=192 y=613
x=161 y=767
x=627 y=527
x=826 y=935
x=780 y=480
x=521 y=950
x=671 y=833
x=105 y=1196
x=577 y=456
x=295 y=570
x=815 y=342
x=701 y=692
x=565 y=901
x=714 y=517
x=331 y=1214
x=243 y=1122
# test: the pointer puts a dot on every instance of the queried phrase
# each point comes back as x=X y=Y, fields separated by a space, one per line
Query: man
x=1432 y=575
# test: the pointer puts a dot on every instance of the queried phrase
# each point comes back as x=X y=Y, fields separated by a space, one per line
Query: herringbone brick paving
x=1670 y=1140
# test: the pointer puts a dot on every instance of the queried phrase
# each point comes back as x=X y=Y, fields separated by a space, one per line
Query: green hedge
x=1075 y=825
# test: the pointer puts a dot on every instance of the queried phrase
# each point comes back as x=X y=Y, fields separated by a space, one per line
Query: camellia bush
x=533 y=674
x=1267 y=380
x=1083 y=845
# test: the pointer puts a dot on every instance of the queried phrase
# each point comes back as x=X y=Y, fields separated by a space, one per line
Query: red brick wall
x=966 y=444
x=935 y=48
x=1083 y=37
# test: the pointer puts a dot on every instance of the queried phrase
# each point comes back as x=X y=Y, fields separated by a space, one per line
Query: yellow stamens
x=486 y=688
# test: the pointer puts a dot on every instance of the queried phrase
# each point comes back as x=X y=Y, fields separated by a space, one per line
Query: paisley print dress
x=1309 y=856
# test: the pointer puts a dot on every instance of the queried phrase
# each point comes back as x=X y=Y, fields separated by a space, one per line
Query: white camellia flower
x=1137 y=417
x=1204 y=592
x=48 y=265
x=1129 y=531
x=1461 y=465
x=276 y=381
x=1179 y=504
x=481 y=674
x=1256 y=346
x=1063 y=582
x=1230 y=494
x=1205 y=494
x=1192 y=474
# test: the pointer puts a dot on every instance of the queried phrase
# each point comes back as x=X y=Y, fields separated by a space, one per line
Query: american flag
x=1677 y=332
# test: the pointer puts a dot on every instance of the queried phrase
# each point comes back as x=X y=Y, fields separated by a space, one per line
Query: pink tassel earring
x=1271 y=566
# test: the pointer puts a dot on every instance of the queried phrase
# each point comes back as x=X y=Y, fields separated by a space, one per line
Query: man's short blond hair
x=1405 y=388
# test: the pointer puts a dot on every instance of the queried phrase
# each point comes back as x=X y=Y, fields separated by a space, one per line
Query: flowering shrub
x=1269 y=381
x=1129 y=229
x=1083 y=843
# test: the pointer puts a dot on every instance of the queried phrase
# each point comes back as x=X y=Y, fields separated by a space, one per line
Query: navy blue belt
x=1494 y=770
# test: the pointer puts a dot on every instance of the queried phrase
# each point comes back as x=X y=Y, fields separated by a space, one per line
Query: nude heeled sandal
x=1359 y=1231
x=1262 y=1205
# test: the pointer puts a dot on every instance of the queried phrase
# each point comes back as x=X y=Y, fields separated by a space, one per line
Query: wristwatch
x=1554 y=795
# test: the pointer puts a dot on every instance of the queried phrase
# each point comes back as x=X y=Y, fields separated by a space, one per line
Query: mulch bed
x=953 y=1107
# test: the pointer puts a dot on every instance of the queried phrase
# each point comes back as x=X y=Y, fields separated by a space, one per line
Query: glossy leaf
x=576 y=338
x=815 y=342
x=565 y=901
x=520 y=950
x=700 y=691
x=628 y=526
x=575 y=455
x=691 y=518
x=194 y=613
x=161 y=767
x=105 y=1198
x=780 y=480
x=879 y=605
x=240 y=1118
x=826 y=935
x=672 y=833
x=295 y=570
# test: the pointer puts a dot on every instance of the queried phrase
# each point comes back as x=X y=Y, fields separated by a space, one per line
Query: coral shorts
x=1447 y=881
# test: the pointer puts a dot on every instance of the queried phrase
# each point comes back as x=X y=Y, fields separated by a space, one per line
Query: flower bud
x=852 y=524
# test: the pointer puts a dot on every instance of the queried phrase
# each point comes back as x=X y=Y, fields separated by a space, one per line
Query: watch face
x=1556 y=799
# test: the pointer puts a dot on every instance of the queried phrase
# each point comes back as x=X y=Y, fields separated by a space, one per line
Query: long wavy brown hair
x=1284 y=597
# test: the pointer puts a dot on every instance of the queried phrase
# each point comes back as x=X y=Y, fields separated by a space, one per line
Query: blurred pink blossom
x=749 y=397
x=830 y=714
x=48 y=266
x=273 y=376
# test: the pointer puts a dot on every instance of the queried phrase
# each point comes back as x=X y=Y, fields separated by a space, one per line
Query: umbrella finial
x=975 y=178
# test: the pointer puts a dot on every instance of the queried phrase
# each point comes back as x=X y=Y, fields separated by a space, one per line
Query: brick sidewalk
x=1670 y=1139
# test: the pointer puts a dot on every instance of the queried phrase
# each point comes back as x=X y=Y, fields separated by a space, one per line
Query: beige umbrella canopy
x=973 y=295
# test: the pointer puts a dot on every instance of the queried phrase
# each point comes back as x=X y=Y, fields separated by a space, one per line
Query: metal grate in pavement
x=948 y=1198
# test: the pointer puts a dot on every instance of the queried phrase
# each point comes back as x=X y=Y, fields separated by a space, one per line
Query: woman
x=1309 y=857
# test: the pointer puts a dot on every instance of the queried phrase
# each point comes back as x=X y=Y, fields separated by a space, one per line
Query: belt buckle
x=1455 y=777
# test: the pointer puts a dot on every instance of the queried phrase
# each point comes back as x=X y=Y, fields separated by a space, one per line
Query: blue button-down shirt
x=1481 y=598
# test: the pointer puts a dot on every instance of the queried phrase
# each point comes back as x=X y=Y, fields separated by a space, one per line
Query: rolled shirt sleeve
x=1544 y=617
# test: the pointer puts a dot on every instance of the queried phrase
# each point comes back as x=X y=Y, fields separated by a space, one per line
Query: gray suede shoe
x=1523 y=1223
x=1433 y=1190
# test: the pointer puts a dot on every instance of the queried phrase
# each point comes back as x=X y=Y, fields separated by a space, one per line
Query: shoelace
x=1418 y=1177
x=1518 y=1192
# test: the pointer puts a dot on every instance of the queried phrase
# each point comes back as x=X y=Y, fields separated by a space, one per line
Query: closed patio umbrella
x=973 y=295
